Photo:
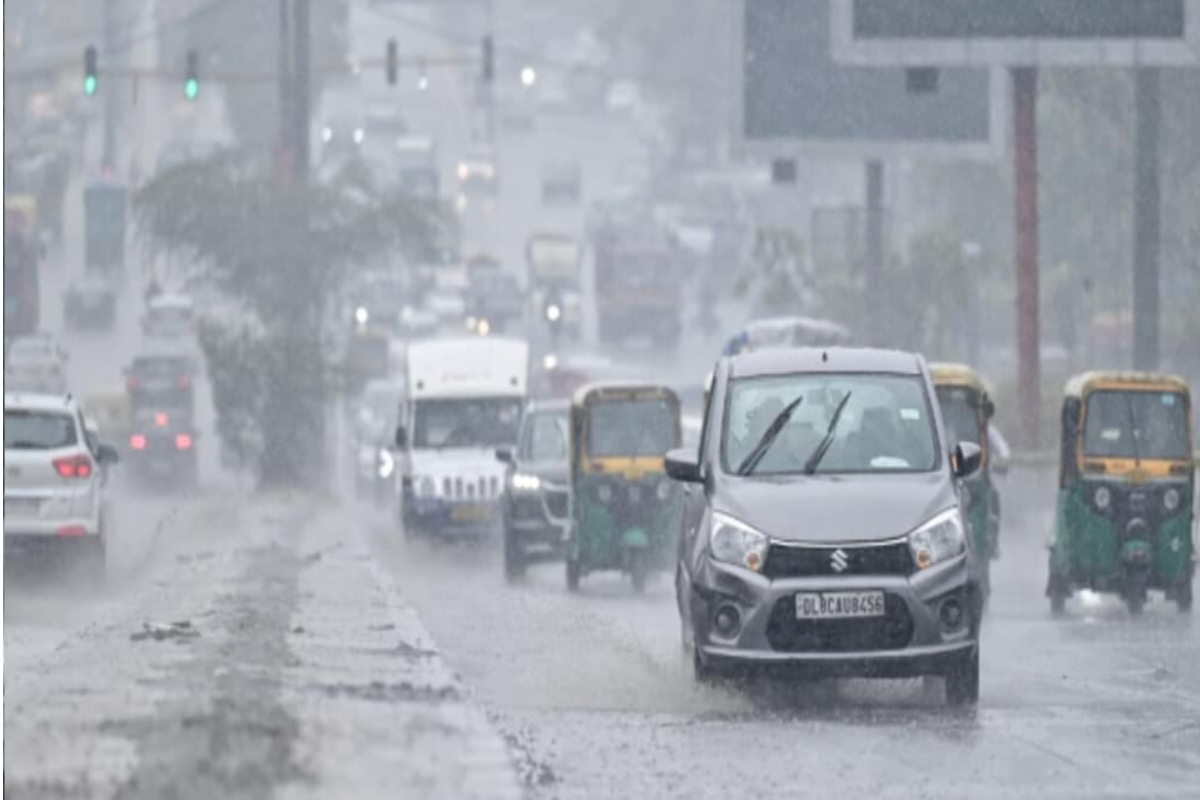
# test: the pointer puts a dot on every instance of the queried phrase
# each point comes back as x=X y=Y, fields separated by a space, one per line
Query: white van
x=466 y=396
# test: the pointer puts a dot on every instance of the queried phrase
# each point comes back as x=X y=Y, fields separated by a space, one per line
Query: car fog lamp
x=951 y=614
x=1102 y=498
x=727 y=620
x=663 y=491
x=1171 y=499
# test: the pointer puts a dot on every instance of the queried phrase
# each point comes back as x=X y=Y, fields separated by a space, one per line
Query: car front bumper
x=453 y=518
x=910 y=639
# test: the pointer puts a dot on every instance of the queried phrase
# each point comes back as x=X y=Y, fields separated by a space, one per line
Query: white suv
x=54 y=494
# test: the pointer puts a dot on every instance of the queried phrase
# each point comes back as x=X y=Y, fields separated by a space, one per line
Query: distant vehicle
x=449 y=306
x=562 y=183
x=169 y=316
x=161 y=378
x=465 y=400
x=162 y=445
x=104 y=210
x=379 y=413
x=825 y=533
x=54 y=494
x=639 y=286
x=784 y=332
x=477 y=172
x=342 y=138
x=416 y=160
x=536 y=505
x=90 y=302
x=555 y=279
x=36 y=363
x=22 y=257
x=494 y=302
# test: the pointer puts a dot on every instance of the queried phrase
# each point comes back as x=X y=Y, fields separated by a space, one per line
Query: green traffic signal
x=191 y=80
x=89 y=85
x=90 y=80
x=191 y=89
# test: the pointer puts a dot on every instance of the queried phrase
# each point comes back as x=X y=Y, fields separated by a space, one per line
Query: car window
x=545 y=438
x=38 y=430
x=886 y=425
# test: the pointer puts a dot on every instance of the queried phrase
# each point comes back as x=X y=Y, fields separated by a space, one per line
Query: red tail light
x=137 y=442
x=74 y=467
x=160 y=419
x=72 y=530
x=183 y=441
x=184 y=382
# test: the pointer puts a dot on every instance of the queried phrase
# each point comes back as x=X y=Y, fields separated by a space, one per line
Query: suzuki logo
x=839 y=560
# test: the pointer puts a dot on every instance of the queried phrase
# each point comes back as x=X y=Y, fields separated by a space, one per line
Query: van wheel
x=573 y=574
x=962 y=681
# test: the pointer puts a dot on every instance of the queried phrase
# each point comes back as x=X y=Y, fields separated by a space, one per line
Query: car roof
x=783 y=361
x=36 y=401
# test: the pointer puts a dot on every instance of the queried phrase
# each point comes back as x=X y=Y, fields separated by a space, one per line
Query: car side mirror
x=505 y=455
x=683 y=465
x=965 y=459
x=401 y=437
x=107 y=454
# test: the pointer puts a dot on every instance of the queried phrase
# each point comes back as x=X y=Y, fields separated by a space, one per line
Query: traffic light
x=191 y=81
x=91 y=80
x=393 y=62
x=489 y=68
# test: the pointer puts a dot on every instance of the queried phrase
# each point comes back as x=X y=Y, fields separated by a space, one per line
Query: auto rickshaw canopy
x=1085 y=383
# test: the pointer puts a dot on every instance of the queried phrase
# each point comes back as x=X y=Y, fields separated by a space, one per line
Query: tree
x=284 y=251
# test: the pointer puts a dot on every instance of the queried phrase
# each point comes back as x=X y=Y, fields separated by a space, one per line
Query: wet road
x=596 y=692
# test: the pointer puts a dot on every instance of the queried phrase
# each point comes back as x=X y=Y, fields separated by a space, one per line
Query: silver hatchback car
x=823 y=533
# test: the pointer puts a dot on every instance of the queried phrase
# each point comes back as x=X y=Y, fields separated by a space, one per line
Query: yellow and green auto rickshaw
x=1126 y=483
x=967 y=411
x=625 y=512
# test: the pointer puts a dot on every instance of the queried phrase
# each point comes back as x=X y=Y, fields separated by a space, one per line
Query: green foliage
x=283 y=250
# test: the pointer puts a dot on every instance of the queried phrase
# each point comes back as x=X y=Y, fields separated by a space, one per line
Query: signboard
x=1016 y=32
x=795 y=99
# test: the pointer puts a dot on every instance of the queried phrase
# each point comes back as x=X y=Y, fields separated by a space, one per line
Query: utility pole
x=873 y=271
x=1029 y=369
x=1146 y=221
x=108 y=158
x=489 y=85
x=294 y=83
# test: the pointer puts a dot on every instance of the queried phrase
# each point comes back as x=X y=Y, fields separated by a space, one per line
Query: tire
x=639 y=571
x=514 y=558
x=962 y=681
x=574 y=572
x=1058 y=594
x=1135 y=594
x=1183 y=597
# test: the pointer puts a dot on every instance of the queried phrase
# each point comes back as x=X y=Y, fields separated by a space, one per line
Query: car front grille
x=557 y=502
x=791 y=561
x=469 y=489
x=787 y=634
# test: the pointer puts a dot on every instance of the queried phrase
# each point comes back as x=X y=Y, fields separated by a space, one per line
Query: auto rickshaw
x=625 y=512
x=967 y=411
x=1126 y=484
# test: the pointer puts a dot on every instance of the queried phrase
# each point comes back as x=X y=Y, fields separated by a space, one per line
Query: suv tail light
x=160 y=419
x=74 y=467
x=183 y=441
x=137 y=441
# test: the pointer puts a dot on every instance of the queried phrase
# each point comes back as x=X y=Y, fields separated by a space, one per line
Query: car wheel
x=574 y=572
x=514 y=558
x=962 y=681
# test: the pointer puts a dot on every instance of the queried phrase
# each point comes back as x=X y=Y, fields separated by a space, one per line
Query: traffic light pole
x=108 y=158
x=294 y=70
x=1146 y=222
x=1029 y=369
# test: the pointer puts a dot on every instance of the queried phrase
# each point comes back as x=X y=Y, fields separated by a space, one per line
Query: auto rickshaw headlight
x=604 y=492
x=663 y=491
x=735 y=542
x=1102 y=498
x=1171 y=499
x=939 y=539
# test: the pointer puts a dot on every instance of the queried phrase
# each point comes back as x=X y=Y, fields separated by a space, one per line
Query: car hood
x=456 y=463
x=836 y=508
x=553 y=471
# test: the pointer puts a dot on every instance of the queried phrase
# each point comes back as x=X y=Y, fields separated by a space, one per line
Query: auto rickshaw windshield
x=1136 y=424
x=960 y=414
x=631 y=428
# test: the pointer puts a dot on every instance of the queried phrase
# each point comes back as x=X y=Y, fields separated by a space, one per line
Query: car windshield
x=1136 y=424
x=632 y=428
x=477 y=422
x=960 y=414
x=885 y=426
x=38 y=430
x=545 y=436
x=161 y=367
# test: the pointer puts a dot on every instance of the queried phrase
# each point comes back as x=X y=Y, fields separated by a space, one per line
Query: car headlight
x=734 y=542
x=1102 y=498
x=526 y=483
x=939 y=539
x=1171 y=499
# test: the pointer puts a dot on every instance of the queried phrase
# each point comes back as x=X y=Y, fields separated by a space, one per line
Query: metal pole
x=301 y=83
x=877 y=327
x=1029 y=373
x=1146 y=222
x=489 y=89
x=108 y=158
x=285 y=156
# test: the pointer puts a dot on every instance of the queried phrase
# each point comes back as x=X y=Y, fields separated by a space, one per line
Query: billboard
x=794 y=99
x=1016 y=32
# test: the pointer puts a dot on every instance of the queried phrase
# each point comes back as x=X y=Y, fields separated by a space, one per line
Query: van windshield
x=1136 y=425
x=481 y=422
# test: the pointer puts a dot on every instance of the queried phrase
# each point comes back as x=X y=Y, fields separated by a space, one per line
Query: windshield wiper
x=1133 y=429
x=814 y=460
x=750 y=462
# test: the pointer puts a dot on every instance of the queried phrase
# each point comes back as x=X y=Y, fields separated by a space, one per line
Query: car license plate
x=839 y=605
x=20 y=507
x=472 y=513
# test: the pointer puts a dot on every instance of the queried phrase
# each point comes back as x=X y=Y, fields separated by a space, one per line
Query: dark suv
x=536 y=502
x=823 y=530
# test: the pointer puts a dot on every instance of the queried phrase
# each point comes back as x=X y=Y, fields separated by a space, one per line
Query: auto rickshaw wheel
x=639 y=570
x=1183 y=596
x=574 y=572
x=1135 y=593
x=1058 y=594
x=962 y=681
